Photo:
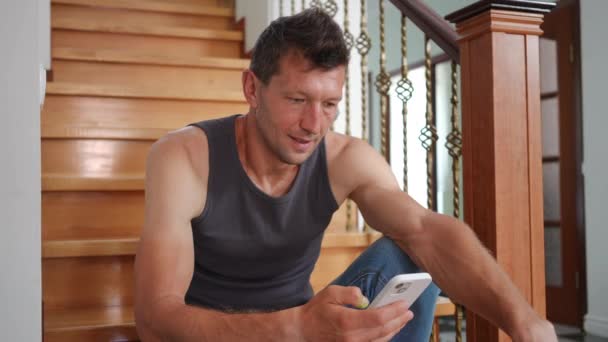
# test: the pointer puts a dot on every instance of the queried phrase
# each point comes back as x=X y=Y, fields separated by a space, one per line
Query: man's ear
x=250 y=87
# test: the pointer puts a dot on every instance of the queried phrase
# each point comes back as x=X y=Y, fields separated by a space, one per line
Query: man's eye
x=296 y=100
x=330 y=104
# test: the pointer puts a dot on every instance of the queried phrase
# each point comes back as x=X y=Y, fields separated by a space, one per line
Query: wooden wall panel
x=502 y=155
x=511 y=160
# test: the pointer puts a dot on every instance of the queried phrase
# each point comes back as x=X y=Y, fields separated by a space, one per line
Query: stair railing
x=493 y=53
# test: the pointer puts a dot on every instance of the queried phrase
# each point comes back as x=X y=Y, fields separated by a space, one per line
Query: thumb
x=347 y=295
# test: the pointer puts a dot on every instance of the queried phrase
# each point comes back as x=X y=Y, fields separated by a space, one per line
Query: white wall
x=20 y=290
x=595 y=167
x=257 y=15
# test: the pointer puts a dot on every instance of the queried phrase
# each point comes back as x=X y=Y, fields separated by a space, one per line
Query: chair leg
x=435 y=331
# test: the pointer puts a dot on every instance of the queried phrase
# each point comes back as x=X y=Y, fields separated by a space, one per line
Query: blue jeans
x=374 y=268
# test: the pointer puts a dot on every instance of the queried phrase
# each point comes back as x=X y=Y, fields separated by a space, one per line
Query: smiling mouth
x=301 y=145
x=300 y=141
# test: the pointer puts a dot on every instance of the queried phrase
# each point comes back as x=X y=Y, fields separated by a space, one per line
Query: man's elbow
x=143 y=322
x=149 y=321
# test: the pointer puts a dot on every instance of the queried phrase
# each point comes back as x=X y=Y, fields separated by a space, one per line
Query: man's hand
x=326 y=317
x=535 y=330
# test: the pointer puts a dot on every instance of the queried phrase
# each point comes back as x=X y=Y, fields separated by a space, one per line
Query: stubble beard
x=266 y=132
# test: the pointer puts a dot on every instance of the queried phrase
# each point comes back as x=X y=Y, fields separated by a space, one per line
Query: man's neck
x=264 y=168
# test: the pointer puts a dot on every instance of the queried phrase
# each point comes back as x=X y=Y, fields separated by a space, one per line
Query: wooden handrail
x=433 y=25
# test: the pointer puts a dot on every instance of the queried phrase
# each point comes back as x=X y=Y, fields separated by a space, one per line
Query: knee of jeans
x=393 y=251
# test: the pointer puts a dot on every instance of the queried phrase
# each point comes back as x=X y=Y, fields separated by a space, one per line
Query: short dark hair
x=312 y=33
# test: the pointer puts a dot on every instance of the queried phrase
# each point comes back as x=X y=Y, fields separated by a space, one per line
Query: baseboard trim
x=596 y=325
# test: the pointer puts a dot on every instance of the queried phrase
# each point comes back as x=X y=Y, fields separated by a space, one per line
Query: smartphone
x=405 y=287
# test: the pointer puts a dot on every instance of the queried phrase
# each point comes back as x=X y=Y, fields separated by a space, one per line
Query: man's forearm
x=461 y=266
x=171 y=320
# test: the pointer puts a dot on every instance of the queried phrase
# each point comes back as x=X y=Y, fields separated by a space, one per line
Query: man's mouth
x=301 y=144
x=301 y=141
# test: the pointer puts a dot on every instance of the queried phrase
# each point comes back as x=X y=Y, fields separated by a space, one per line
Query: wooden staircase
x=125 y=72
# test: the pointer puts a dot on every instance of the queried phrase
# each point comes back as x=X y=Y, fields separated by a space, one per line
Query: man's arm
x=445 y=247
x=165 y=259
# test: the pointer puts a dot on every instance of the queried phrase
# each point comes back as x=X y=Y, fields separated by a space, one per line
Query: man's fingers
x=383 y=332
x=373 y=318
x=347 y=295
x=370 y=324
x=393 y=328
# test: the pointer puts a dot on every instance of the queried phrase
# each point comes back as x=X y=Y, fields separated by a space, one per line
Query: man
x=236 y=208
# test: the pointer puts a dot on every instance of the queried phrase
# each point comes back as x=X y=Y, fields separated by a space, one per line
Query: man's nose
x=311 y=120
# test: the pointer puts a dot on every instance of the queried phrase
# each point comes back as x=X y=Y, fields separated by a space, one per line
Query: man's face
x=295 y=110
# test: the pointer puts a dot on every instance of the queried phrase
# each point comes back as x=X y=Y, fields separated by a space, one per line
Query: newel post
x=503 y=195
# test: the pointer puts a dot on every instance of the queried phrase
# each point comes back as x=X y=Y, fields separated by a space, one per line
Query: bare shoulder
x=188 y=144
x=349 y=160
x=347 y=151
x=177 y=169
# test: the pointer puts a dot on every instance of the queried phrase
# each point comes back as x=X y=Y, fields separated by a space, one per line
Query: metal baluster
x=281 y=8
x=293 y=7
x=363 y=44
x=383 y=85
x=428 y=135
x=454 y=146
x=316 y=3
x=330 y=7
x=349 y=40
x=405 y=90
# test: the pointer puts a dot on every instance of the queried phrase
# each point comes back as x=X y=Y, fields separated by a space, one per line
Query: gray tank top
x=253 y=251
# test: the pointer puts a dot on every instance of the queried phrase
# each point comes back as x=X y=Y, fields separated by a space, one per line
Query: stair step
x=92 y=215
x=147 y=44
x=85 y=248
x=80 y=132
x=90 y=324
x=190 y=80
x=349 y=240
x=131 y=113
x=70 y=182
x=444 y=307
x=87 y=282
x=338 y=252
x=107 y=15
x=154 y=6
x=83 y=24
x=133 y=57
x=128 y=246
x=79 y=89
x=100 y=215
x=94 y=160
